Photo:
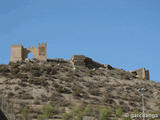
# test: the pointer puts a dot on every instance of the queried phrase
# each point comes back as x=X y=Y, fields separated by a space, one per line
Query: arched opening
x=30 y=56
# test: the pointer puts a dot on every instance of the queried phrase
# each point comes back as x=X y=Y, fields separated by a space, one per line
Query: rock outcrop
x=2 y=116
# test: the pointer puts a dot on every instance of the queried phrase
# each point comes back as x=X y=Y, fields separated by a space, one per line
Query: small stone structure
x=19 y=53
x=85 y=61
x=142 y=73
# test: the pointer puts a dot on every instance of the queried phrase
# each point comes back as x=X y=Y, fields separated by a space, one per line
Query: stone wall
x=19 y=53
x=82 y=60
x=58 y=60
x=142 y=73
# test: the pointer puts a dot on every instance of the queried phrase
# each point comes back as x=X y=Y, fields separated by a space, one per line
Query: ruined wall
x=19 y=53
x=85 y=61
x=142 y=73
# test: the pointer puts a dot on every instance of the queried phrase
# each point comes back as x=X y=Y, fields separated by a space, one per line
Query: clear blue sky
x=122 y=33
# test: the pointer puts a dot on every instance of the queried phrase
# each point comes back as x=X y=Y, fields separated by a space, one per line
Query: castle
x=19 y=53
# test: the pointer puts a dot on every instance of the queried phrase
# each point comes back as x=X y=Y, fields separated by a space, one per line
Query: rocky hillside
x=75 y=89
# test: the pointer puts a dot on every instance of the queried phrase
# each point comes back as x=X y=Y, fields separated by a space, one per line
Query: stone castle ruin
x=142 y=73
x=19 y=53
x=88 y=62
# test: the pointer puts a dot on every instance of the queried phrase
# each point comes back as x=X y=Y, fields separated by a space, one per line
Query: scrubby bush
x=88 y=110
x=67 y=116
x=15 y=71
x=11 y=94
x=35 y=67
x=77 y=92
x=36 y=73
x=4 y=69
x=54 y=71
x=62 y=89
x=48 y=70
x=118 y=112
x=48 y=111
x=27 y=97
x=37 y=102
x=41 y=117
x=25 y=113
x=21 y=76
x=104 y=113
x=78 y=112
x=79 y=116
x=26 y=68
x=38 y=81
x=14 y=65
x=94 y=91
x=77 y=109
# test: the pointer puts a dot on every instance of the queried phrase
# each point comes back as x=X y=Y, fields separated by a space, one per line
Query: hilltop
x=81 y=82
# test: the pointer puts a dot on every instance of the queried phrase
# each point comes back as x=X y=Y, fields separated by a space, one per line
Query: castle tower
x=42 y=52
x=16 y=53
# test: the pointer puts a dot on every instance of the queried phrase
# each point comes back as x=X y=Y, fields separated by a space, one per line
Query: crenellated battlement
x=42 y=44
x=19 y=53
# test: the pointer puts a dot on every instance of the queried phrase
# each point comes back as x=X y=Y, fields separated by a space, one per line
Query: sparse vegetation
x=4 y=69
x=35 y=84
x=94 y=91
x=15 y=71
x=118 y=112
x=14 y=65
x=36 y=73
x=67 y=116
x=48 y=111
x=89 y=110
x=26 y=113
x=77 y=92
x=41 y=117
x=104 y=113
